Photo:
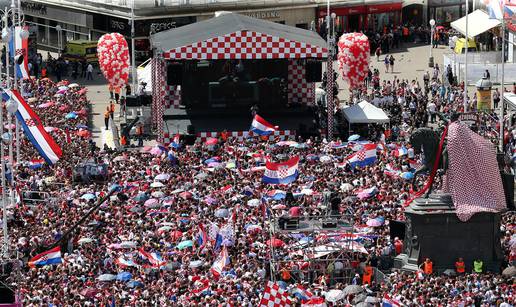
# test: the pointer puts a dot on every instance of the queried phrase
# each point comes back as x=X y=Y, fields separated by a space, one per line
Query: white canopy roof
x=478 y=23
x=510 y=99
x=365 y=113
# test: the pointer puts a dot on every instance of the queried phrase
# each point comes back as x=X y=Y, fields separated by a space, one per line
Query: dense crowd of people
x=192 y=203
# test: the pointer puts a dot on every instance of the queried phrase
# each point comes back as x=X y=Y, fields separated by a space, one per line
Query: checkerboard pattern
x=361 y=155
x=240 y=135
x=246 y=45
x=299 y=91
x=274 y=296
x=172 y=96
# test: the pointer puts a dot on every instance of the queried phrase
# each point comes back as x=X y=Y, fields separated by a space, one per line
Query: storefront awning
x=478 y=23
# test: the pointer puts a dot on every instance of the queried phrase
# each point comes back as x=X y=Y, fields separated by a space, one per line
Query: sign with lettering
x=29 y=7
x=263 y=15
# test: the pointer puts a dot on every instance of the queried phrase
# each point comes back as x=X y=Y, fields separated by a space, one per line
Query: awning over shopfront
x=478 y=23
x=235 y=36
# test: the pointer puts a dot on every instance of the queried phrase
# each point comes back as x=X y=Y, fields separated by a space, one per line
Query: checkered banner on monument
x=274 y=296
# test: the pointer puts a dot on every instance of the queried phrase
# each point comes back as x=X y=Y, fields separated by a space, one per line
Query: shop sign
x=36 y=8
x=263 y=15
x=383 y=8
x=153 y=26
x=344 y=11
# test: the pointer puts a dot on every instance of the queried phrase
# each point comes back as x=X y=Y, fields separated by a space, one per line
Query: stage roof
x=234 y=36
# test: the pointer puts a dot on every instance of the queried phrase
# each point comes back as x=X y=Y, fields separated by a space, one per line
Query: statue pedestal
x=433 y=230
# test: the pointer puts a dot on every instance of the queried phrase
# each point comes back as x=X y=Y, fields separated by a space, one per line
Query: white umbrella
x=195 y=264
x=128 y=244
x=73 y=85
x=334 y=295
x=163 y=177
x=158 y=194
x=177 y=191
x=346 y=187
x=85 y=240
x=157 y=184
x=106 y=277
x=253 y=202
x=164 y=228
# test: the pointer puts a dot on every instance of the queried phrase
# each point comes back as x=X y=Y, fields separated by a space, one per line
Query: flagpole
x=5 y=245
x=502 y=102
x=465 y=103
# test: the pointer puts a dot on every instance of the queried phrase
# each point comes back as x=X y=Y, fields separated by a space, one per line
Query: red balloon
x=353 y=57
x=113 y=54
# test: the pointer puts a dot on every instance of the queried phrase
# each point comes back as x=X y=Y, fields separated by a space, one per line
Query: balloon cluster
x=354 y=55
x=113 y=55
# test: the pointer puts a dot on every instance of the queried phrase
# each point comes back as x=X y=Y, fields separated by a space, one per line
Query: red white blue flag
x=52 y=256
x=221 y=262
x=262 y=127
x=33 y=129
x=21 y=48
x=365 y=156
x=281 y=173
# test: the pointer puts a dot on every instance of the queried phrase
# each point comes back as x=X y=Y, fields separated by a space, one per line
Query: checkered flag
x=274 y=296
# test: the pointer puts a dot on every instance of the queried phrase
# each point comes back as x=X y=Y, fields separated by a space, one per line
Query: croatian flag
x=202 y=237
x=400 y=151
x=365 y=156
x=509 y=9
x=121 y=261
x=221 y=262
x=22 y=71
x=281 y=173
x=154 y=258
x=314 y=302
x=262 y=127
x=176 y=143
x=301 y=293
x=36 y=163
x=52 y=256
x=390 y=302
x=494 y=8
x=276 y=194
x=33 y=129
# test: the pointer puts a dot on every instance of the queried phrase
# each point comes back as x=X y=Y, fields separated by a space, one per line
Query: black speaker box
x=313 y=71
x=131 y=101
x=175 y=74
x=145 y=100
x=190 y=129
x=189 y=139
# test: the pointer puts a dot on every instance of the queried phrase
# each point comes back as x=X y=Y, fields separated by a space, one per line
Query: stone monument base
x=433 y=230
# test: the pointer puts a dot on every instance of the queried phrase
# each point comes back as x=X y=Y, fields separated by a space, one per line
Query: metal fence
x=477 y=64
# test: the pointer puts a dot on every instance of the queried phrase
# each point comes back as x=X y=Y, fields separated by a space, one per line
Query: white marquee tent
x=365 y=113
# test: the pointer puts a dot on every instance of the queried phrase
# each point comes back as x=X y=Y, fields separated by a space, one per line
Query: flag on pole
x=33 y=129
x=274 y=295
x=494 y=8
x=221 y=262
x=154 y=258
x=49 y=257
x=21 y=48
x=262 y=127
x=281 y=173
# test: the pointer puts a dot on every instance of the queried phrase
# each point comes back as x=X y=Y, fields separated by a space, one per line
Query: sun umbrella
x=136 y=209
x=64 y=107
x=374 y=223
x=215 y=164
x=141 y=197
x=156 y=184
x=407 y=175
x=106 y=277
x=334 y=295
x=63 y=88
x=135 y=284
x=88 y=196
x=85 y=240
x=176 y=235
x=124 y=276
x=156 y=151
x=128 y=244
x=253 y=202
x=372 y=300
x=151 y=203
x=211 y=141
x=201 y=176
x=71 y=115
x=158 y=194
x=353 y=137
x=510 y=271
x=81 y=126
x=185 y=195
x=162 y=177
x=89 y=292
x=222 y=213
x=32 y=99
x=352 y=289
x=164 y=228
x=185 y=244
x=253 y=228
x=275 y=242
x=73 y=85
x=61 y=92
x=346 y=187
x=195 y=264
x=325 y=159
x=45 y=105
x=58 y=95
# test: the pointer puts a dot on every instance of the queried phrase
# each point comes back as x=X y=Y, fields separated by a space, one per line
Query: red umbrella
x=211 y=141
x=176 y=235
x=185 y=195
x=89 y=292
x=276 y=242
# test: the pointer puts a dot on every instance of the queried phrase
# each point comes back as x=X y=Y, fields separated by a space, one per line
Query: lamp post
x=133 y=52
x=330 y=27
x=59 y=38
x=432 y=29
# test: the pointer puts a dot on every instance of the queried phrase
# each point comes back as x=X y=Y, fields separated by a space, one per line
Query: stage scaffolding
x=309 y=260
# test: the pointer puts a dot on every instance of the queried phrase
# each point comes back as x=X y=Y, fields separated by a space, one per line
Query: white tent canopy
x=145 y=75
x=365 y=113
x=478 y=23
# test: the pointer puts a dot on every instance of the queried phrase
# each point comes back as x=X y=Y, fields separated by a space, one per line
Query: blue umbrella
x=88 y=196
x=185 y=244
x=115 y=187
x=407 y=175
x=353 y=137
x=141 y=197
x=134 y=284
x=81 y=126
x=124 y=276
x=71 y=115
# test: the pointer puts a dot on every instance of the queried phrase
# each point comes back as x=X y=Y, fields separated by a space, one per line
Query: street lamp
x=330 y=27
x=59 y=29
x=431 y=59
